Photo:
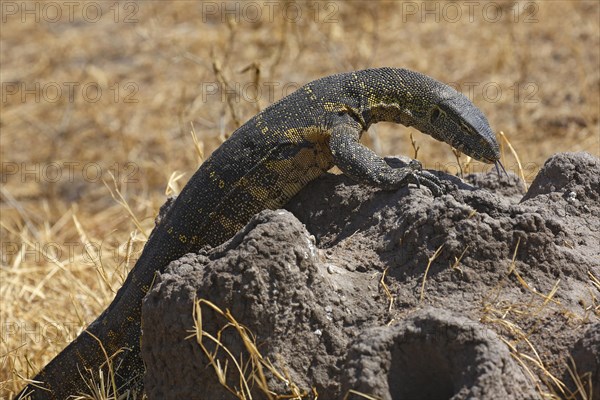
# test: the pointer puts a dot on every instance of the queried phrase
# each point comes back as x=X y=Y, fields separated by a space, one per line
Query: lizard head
x=449 y=116
x=440 y=111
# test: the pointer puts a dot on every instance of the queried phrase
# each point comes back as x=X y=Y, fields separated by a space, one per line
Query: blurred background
x=108 y=107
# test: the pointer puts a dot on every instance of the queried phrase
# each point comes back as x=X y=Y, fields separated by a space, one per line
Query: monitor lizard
x=262 y=165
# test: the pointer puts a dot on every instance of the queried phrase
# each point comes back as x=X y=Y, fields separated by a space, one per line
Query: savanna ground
x=99 y=101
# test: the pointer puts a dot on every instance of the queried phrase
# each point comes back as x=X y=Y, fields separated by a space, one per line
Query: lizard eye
x=435 y=114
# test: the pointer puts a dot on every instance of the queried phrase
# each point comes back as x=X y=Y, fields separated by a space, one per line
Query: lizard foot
x=417 y=176
x=431 y=181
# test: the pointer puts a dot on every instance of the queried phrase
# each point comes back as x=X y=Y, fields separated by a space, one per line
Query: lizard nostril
x=435 y=115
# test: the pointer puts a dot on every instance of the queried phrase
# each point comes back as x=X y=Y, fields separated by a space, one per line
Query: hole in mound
x=420 y=372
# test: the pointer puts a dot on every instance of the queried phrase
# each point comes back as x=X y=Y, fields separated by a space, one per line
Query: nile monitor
x=262 y=165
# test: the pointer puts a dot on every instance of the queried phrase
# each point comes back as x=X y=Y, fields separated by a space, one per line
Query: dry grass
x=67 y=242
x=429 y=262
x=386 y=290
x=517 y=324
x=250 y=369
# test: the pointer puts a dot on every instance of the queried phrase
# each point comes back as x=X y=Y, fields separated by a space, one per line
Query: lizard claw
x=428 y=179
x=416 y=180
x=414 y=173
x=415 y=165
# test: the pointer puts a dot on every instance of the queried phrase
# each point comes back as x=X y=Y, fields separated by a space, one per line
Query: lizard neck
x=394 y=95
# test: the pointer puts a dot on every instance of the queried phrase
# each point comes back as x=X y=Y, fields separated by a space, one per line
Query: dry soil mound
x=510 y=285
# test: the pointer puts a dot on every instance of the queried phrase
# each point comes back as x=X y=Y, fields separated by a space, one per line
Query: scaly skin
x=262 y=165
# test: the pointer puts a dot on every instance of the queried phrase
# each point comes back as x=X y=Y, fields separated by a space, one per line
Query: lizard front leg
x=363 y=165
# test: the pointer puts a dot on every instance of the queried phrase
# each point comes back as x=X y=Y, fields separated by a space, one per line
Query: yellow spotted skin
x=262 y=165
